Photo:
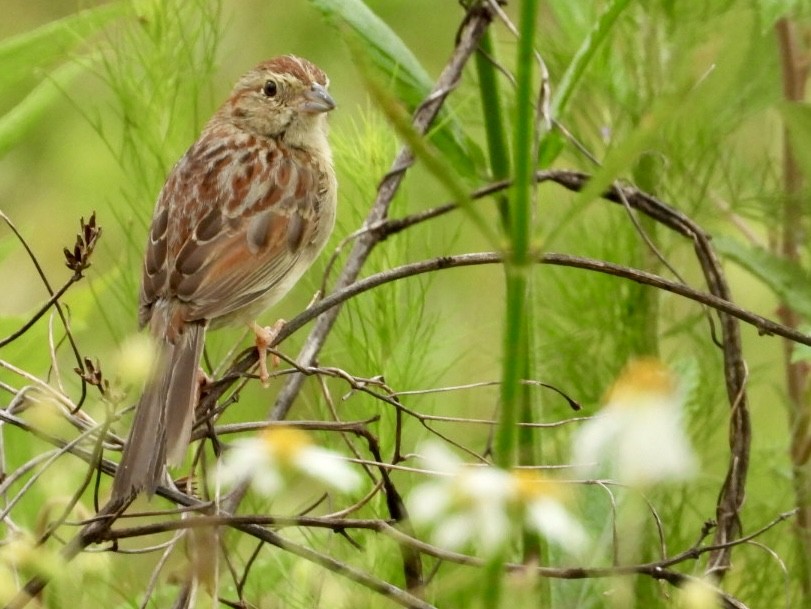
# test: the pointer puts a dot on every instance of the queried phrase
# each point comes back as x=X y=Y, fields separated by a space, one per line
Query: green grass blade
x=17 y=122
x=409 y=81
x=387 y=51
x=20 y=55
x=495 y=131
x=577 y=68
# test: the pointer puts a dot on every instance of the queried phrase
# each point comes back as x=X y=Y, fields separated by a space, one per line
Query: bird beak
x=317 y=100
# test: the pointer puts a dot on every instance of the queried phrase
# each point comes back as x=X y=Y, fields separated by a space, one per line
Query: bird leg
x=203 y=381
x=264 y=339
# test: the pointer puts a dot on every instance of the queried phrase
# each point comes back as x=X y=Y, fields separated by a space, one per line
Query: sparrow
x=242 y=215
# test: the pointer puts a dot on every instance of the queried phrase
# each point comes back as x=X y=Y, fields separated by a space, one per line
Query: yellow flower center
x=531 y=485
x=642 y=379
x=284 y=443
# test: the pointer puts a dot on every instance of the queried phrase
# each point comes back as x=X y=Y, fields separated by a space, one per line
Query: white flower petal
x=639 y=442
x=594 y=442
x=467 y=504
x=482 y=484
x=554 y=522
x=655 y=448
x=438 y=457
x=428 y=502
x=267 y=481
x=242 y=461
x=454 y=532
x=493 y=527
x=328 y=467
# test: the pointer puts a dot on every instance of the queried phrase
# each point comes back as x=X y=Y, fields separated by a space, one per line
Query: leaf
x=389 y=52
x=17 y=122
x=584 y=55
x=21 y=55
x=406 y=77
x=788 y=281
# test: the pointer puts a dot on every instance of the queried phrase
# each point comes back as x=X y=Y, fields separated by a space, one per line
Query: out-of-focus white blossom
x=476 y=505
x=276 y=455
x=137 y=359
x=544 y=505
x=697 y=594
x=639 y=437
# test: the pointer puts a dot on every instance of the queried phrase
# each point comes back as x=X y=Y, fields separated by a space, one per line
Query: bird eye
x=270 y=88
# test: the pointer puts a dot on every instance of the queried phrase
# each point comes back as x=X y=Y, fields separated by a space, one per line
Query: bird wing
x=229 y=226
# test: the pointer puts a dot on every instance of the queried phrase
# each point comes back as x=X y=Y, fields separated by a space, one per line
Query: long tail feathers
x=182 y=393
x=163 y=417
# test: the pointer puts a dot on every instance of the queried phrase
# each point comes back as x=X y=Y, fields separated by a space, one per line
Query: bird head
x=285 y=97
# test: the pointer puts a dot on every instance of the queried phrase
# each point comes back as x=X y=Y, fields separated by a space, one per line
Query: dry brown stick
x=389 y=528
x=763 y=324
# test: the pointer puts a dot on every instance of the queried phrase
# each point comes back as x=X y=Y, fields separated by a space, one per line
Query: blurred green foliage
x=684 y=98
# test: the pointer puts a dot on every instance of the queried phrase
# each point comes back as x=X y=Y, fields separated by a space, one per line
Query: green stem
x=518 y=259
x=497 y=146
x=493 y=574
x=524 y=135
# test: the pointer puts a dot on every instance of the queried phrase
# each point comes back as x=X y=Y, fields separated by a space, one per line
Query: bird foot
x=203 y=381
x=264 y=339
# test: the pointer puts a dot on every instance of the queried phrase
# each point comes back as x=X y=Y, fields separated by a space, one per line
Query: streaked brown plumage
x=242 y=215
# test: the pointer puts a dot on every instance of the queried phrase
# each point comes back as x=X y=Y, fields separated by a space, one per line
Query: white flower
x=464 y=505
x=137 y=359
x=639 y=438
x=276 y=454
x=477 y=505
x=545 y=512
x=697 y=594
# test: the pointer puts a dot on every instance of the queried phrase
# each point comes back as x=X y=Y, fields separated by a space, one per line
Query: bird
x=242 y=215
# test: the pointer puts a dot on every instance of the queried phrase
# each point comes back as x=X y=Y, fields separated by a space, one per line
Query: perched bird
x=241 y=217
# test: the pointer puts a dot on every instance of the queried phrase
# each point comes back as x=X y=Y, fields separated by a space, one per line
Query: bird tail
x=164 y=415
